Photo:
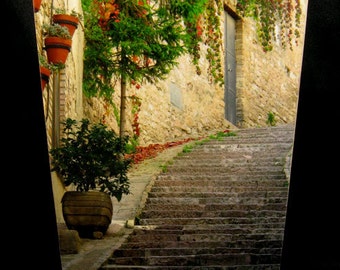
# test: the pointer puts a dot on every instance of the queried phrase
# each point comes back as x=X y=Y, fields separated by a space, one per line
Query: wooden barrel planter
x=89 y=213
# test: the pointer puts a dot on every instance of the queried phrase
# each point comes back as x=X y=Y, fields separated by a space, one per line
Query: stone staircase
x=220 y=206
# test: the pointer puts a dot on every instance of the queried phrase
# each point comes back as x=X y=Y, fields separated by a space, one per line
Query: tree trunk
x=122 y=106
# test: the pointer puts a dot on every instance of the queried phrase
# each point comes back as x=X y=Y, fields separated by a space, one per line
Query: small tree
x=134 y=41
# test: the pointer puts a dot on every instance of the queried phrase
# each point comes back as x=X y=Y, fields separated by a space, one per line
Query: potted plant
x=36 y=5
x=45 y=71
x=67 y=19
x=91 y=158
x=58 y=42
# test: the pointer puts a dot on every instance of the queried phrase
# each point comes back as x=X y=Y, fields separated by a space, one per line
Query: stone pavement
x=92 y=253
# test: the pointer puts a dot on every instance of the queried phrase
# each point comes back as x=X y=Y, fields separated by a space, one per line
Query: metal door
x=230 y=70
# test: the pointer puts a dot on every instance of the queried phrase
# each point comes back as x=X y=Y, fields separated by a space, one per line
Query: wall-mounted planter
x=71 y=22
x=57 y=49
x=36 y=5
x=45 y=76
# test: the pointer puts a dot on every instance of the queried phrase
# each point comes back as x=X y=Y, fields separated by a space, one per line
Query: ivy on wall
x=275 y=20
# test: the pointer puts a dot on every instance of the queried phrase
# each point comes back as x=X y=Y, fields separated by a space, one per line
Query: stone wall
x=267 y=81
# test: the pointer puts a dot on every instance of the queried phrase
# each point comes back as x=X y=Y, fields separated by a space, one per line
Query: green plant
x=73 y=12
x=221 y=134
x=53 y=67
x=92 y=157
x=56 y=30
x=164 y=168
x=213 y=38
x=44 y=63
x=275 y=18
x=187 y=148
x=271 y=121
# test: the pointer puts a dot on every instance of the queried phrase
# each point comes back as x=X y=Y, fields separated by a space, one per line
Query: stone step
x=225 y=169
x=192 y=228
x=206 y=194
x=242 y=229
x=211 y=220
x=207 y=236
x=266 y=131
x=235 y=199
x=183 y=213
x=223 y=177
x=228 y=149
x=215 y=207
x=212 y=189
x=257 y=244
x=200 y=259
x=128 y=252
x=224 y=158
x=245 y=155
x=177 y=267
x=218 y=181
x=251 y=139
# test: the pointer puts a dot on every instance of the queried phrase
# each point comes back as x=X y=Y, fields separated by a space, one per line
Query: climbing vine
x=275 y=20
x=213 y=39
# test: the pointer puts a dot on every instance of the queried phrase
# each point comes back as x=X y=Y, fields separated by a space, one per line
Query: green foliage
x=91 y=156
x=53 y=67
x=214 y=40
x=164 y=168
x=43 y=62
x=56 y=30
x=73 y=12
x=187 y=148
x=140 y=42
x=285 y=14
x=221 y=134
x=131 y=146
x=271 y=120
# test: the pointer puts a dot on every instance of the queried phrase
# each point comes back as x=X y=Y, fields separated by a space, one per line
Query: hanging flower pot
x=45 y=76
x=57 y=49
x=58 y=42
x=69 y=21
x=36 y=5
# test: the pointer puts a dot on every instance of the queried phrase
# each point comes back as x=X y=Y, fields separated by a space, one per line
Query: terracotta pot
x=69 y=21
x=57 y=49
x=89 y=213
x=36 y=5
x=45 y=76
